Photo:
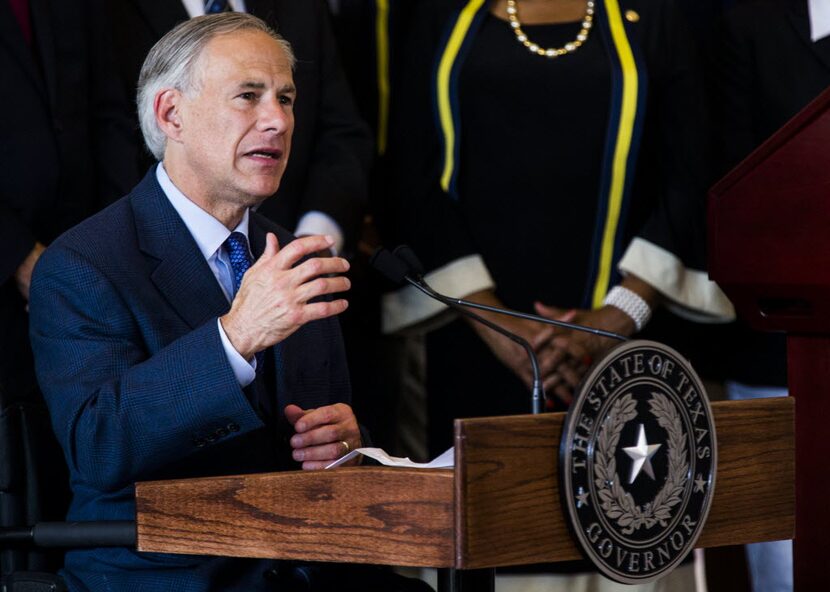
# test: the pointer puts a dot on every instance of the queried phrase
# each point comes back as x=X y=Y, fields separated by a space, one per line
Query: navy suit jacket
x=124 y=315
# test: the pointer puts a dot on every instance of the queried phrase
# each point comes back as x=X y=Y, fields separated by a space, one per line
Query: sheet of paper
x=445 y=460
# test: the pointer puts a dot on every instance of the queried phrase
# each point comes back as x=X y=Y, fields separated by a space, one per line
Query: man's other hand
x=273 y=299
x=322 y=435
x=23 y=275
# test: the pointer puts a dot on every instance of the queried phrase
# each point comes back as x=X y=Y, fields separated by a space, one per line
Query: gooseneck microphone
x=415 y=270
x=399 y=269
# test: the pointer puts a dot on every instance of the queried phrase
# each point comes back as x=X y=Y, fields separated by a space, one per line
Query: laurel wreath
x=615 y=501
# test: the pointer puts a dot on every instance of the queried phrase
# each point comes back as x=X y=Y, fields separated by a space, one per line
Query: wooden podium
x=499 y=506
x=769 y=248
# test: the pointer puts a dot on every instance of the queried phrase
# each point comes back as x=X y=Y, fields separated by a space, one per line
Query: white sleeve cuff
x=244 y=371
x=407 y=306
x=316 y=222
x=692 y=294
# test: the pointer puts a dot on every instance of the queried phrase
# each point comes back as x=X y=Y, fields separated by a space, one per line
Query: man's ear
x=167 y=108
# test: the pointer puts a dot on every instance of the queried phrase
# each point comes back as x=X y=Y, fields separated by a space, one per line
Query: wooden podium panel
x=356 y=515
x=508 y=505
x=499 y=507
x=755 y=489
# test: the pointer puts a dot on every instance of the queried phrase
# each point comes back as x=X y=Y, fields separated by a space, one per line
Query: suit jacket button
x=199 y=442
x=233 y=427
x=222 y=432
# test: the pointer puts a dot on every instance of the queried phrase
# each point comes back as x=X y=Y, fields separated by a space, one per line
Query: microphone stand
x=531 y=317
x=538 y=392
x=407 y=257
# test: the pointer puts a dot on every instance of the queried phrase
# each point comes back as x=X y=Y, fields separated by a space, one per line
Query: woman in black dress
x=546 y=152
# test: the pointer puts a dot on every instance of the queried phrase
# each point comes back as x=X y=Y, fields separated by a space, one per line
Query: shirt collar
x=208 y=232
x=819 y=11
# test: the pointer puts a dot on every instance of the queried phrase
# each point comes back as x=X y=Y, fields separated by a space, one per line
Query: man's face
x=236 y=123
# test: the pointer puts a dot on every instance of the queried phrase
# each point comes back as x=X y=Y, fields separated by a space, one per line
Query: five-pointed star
x=700 y=483
x=641 y=456
x=582 y=498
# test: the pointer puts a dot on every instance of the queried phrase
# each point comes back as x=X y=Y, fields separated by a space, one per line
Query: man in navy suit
x=162 y=348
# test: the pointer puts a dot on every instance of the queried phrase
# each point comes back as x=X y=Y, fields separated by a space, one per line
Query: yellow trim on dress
x=628 y=114
x=456 y=39
x=382 y=51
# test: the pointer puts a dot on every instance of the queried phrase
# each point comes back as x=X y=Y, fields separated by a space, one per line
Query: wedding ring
x=346 y=446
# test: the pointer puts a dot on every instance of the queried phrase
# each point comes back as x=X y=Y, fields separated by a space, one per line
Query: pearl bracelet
x=631 y=304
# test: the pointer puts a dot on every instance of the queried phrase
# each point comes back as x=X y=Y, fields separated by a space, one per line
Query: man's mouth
x=272 y=153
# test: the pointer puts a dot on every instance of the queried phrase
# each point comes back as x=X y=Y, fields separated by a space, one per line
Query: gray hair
x=172 y=60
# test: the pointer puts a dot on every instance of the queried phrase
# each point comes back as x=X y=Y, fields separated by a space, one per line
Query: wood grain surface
x=358 y=515
x=508 y=508
x=501 y=507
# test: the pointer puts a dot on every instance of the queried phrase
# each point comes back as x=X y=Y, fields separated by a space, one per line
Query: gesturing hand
x=273 y=299
x=321 y=433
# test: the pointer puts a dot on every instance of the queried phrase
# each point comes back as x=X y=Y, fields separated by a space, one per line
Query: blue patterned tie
x=237 y=246
x=214 y=6
x=240 y=256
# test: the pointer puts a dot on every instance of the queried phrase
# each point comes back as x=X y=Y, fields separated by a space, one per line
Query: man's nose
x=276 y=116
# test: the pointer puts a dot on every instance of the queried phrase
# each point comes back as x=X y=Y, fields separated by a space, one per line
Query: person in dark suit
x=65 y=145
x=162 y=349
x=769 y=65
x=324 y=189
x=772 y=58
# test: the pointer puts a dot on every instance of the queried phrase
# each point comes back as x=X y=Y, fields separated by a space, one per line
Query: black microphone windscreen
x=409 y=257
x=390 y=266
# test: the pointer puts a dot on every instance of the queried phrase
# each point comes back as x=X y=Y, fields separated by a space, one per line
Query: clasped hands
x=277 y=296
x=564 y=354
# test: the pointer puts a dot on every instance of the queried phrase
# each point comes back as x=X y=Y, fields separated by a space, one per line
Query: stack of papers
x=445 y=460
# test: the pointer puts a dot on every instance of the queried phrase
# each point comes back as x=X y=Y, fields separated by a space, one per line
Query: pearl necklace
x=551 y=52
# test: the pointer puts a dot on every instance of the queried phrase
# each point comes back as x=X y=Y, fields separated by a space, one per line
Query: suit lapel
x=12 y=37
x=182 y=274
x=256 y=236
x=162 y=15
x=800 y=20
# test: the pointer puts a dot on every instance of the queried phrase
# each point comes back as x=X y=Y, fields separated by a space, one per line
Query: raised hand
x=274 y=298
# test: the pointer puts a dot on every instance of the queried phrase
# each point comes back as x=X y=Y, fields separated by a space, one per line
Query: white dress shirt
x=210 y=235
x=819 y=11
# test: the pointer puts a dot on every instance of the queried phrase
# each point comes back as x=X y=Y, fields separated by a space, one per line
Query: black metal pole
x=114 y=533
x=466 y=580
